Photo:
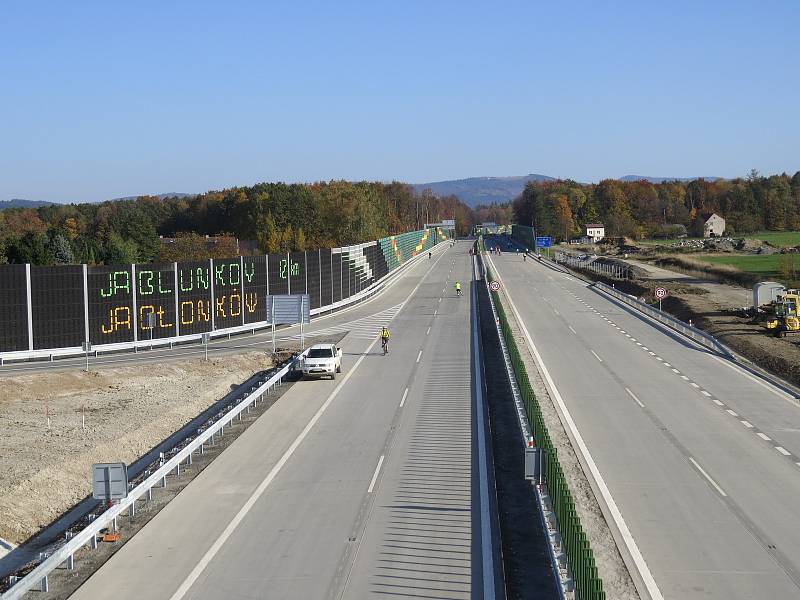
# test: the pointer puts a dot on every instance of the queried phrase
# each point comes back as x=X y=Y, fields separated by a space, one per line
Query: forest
x=640 y=209
x=276 y=217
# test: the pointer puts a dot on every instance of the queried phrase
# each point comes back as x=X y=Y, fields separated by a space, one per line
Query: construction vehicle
x=783 y=315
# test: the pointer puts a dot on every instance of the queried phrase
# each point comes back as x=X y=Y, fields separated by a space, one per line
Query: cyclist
x=429 y=255
x=458 y=288
x=385 y=340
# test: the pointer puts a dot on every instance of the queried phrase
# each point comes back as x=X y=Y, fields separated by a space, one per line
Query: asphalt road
x=366 y=486
x=701 y=459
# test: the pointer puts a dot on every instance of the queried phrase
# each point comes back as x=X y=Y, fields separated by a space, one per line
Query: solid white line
x=763 y=384
x=595 y=355
x=220 y=541
x=572 y=330
x=375 y=475
x=428 y=332
x=616 y=515
x=403 y=399
x=707 y=476
x=764 y=437
x=783 y=451
x=632 y=395
x=419 y=355
x=747 y=424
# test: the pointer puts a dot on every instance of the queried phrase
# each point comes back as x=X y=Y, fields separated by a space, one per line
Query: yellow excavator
x=783 y=314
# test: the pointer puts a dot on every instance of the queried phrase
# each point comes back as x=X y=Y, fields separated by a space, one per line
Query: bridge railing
x=64 y=555
x=580 y=555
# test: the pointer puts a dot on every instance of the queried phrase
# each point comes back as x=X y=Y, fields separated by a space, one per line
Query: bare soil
x=45 y=470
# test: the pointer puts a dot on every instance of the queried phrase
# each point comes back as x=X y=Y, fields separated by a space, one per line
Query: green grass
x=766 y=265
x=777 y=238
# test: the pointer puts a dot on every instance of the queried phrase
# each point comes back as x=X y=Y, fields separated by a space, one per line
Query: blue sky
x=104 y=99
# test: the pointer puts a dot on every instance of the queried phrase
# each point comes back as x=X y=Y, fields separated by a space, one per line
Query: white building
x=714 y=226
x=595 y=231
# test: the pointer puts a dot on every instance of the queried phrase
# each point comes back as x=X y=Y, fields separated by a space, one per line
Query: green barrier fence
x=588 y=584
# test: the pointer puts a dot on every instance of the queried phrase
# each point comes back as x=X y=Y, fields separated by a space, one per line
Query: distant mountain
x=159 y=196
x=482 y=190
x=19 y=203
x=663 y=179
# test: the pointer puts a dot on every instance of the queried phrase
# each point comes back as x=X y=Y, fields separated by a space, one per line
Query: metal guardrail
x=38 y=577
x=701 y=337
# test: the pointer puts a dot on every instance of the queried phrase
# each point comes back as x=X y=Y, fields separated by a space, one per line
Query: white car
x=323 y=360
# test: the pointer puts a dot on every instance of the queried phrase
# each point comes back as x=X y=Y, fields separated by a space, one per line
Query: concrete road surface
x=701 y=459
x=365 y=486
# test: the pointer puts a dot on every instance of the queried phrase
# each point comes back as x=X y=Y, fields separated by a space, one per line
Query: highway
x=366 y=486
x=701 y=459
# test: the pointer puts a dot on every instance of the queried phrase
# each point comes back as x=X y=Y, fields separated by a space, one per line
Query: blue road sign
x=544 y=242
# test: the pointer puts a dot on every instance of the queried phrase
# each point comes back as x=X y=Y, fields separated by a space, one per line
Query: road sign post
x=206 y=339
x=661 y=293
x=87 y=347
x=109 y=481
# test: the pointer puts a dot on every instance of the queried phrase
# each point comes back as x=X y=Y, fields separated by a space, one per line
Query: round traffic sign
x=661 y=293
x=494 y=286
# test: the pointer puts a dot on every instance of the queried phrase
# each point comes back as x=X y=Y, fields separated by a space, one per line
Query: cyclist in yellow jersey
x=384 y=335
x=458 y=288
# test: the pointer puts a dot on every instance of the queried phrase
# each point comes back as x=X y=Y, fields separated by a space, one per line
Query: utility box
x=534 y=464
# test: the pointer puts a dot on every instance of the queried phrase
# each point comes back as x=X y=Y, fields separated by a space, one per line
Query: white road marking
x=651 y=353
x=375 y=475
x=623 y=331
x=555 y=310
x=675 y=371
x=694 y=385
x=659 y=358
x=705 y=393
x=763 y=384
x=440 y=299
x=595 y=355
x=731 y=413
x=783 y=450
x=764 y=437
x=747 y=424
x=638 y=343
x=428 y=332
x=616 y=515
x=666 y=364
x=419 y=355
x=707 y=476
x=403 y=399
x=633 y=339
x=684 y=377
x=259 y=491
x=435 y=312
x=718 y=403
x=632 y=395
x=572 y=330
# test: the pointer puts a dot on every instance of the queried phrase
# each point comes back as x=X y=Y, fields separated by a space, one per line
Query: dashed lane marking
x=708 y=477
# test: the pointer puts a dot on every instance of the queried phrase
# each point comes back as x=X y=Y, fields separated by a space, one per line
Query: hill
x=482 y=190
x=663 y=179
x=20 y=203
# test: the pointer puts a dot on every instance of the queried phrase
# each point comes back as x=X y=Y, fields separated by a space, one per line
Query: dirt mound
x=127 y=410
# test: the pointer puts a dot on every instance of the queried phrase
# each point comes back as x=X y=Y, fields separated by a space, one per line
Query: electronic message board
x=155 y=294
x=57 y=307
x=254 y=284
x=194 y=297
x=110 y=295
x=297 y=272
x=278 y=274
x=13 y=308
x=228 y=299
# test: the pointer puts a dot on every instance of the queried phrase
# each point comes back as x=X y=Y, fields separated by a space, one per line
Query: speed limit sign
x=661 y=293
x=494 y=286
